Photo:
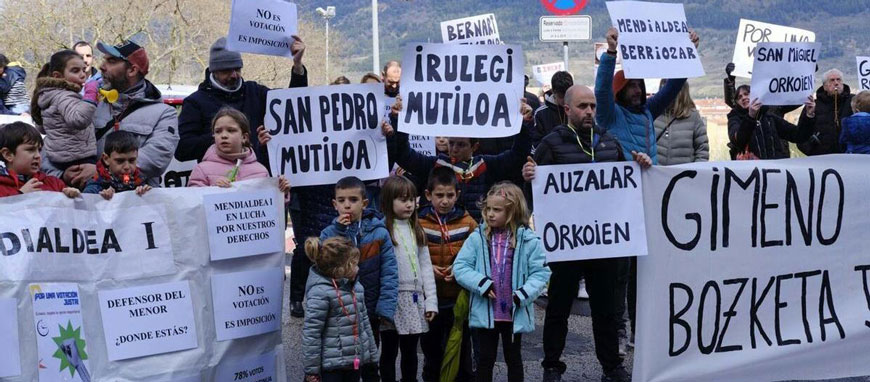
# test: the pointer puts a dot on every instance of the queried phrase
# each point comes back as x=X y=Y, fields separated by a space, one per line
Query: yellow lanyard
x=591 y=141
x=409 y=251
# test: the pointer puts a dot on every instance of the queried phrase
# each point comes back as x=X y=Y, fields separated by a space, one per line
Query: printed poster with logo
x=60 y=337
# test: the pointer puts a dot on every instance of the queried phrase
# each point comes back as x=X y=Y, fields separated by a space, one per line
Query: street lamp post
x=376 y=52
x=327 y=14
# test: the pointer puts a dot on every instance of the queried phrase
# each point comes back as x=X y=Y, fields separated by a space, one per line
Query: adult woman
x=681 y=133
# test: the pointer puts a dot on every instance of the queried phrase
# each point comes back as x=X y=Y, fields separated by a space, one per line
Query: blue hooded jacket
x=378 y=269
x=855 y=137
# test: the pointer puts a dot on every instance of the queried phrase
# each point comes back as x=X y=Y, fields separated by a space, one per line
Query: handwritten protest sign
x=544 y=73
x=247 y=303
x=569 y=216
x=251 y=369
x=243 y=225
x=751 y=33
x=323 y=134
x=481 y=29
x=10 y=363
x=61 y=342
x=654 y=40
x=784 y=72
x=461 y=90
x=262 y=27
x=863 y=73
x=148 y=320
x=757 y=271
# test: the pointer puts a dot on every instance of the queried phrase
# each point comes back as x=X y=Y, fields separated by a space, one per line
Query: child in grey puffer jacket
x=337 y=340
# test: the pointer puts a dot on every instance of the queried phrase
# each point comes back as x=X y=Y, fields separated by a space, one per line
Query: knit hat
x=219 y=58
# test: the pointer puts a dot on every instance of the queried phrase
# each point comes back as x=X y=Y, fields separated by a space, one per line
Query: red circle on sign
x=551 y=6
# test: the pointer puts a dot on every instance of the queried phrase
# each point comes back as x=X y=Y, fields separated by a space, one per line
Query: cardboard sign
x=751 y=32
x=758 y=271
x=61 y=342
x=570 y=217
x=785 y=72
x=50 y=243
x=544 y=73
x=863 y=73
x=462 y=91
x=10 y=363
x=247 y=303
x=147 y=320
x=262 y=27
x=480 y=29
x=322 y=134
x=654 y=40
x=252 y=369
x=243 y=224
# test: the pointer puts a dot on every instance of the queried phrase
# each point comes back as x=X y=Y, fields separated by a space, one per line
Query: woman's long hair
x=682 y=106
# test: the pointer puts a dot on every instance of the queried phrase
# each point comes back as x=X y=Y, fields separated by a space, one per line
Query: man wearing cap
x=138 y=109
x=224 y=86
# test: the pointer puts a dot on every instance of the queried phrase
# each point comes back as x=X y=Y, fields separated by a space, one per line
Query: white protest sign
x=244 y=224
x=252 y=369
x=247 y=303
x=544 y=73
x=570 y=218
x=177 y=174
x=654 y=40
x=10 y=363
x=784 y=72
x=322 y=134
x=480 y=29
x=44 y=243
x=863 y=73
x=751 y=32
x=146 y=320
x=262 y=27
x=461 y=90
x=758 y=271
x=61 y=342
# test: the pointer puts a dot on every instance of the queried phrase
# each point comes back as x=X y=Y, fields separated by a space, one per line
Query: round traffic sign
x=564 y=7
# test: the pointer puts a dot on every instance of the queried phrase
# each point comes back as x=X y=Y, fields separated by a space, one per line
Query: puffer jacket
x=856 y=133
x=378 y=270
x=141 y=111
x=682 y=140
x=764 y=135
x=560 y=147
x=830 y=111
x=65 y=119
x=445 y=236
x=328 y=341
x=10 y=182
x=530 y=276
x=214 y=166
x=476 y=176
x=633 y=128
x=547 y=118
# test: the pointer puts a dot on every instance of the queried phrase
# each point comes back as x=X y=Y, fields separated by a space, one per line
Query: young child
x=337 y=339
x=20 y=144
x=504 y=268
x=116 y=170
x=855 y=137
x=13 y=90
x=417 y=302
x=64 y=115
x=446 y=226
x=378 y=271
x=230 y=158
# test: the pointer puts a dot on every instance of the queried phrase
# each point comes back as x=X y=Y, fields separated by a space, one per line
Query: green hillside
x=839 y=25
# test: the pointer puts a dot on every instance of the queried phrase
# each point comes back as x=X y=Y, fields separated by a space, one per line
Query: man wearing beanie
x=224 y=86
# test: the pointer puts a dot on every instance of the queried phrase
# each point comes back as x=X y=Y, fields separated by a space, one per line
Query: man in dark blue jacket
x=224 y=86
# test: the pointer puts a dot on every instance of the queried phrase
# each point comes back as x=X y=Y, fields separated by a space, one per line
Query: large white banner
x=119 y=317
x=863 y=73
x=758 y=271
x=785 y=72
x=654 y=40
x=262 y=27
x=462 y=90
x=751 y=32
x=481 y=29
x=325 y=133
x=589 y=211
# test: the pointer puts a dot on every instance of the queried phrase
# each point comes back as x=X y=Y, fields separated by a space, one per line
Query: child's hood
x=316 y=278
x=47 y=88
x=372 y=219
x=214 y=156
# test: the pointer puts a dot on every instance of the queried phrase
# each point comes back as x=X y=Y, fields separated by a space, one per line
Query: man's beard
x=392 y=92
x=111 y=83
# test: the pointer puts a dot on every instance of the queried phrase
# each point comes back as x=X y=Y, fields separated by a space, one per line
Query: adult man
x=552 y=112
x=84 y=48
x=833 y=103
x=581 y=141
x=392 y=74
x=224 y=86
x=139 y=110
